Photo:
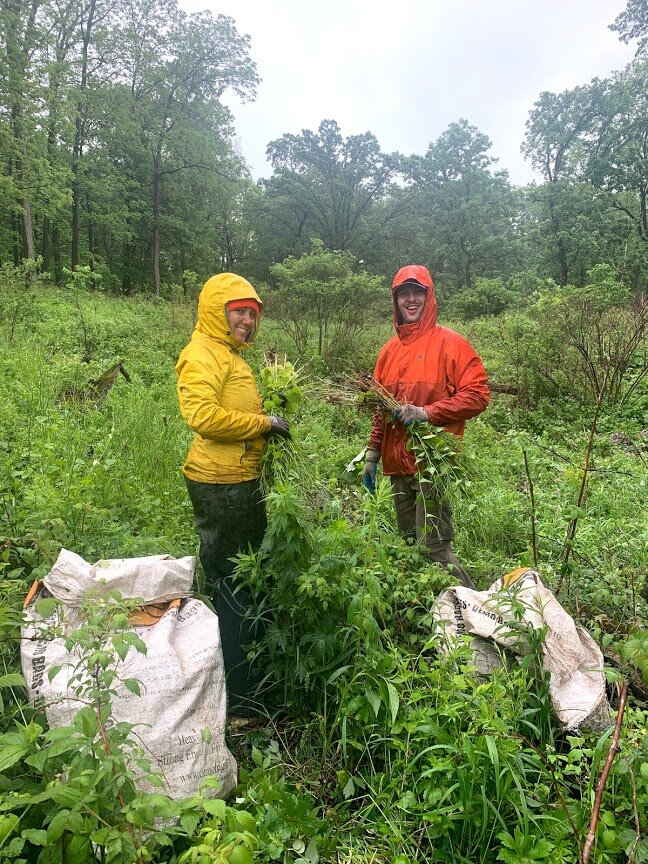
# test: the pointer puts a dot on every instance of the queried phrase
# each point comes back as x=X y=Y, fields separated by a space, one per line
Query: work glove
x=369 y=473
x=409 y=413
x=279 y=427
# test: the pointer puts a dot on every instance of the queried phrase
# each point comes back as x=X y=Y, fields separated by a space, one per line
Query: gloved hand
x=279 y=427
x=409 y=413
x=369 y=473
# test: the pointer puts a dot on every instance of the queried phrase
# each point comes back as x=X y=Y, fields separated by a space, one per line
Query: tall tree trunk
x=91 y=250
x=29 y=250
x=45 y=243
x=560 y=245
x=167 y=126
x=229 y=244
x=50 y=244
x=74 y=253
x=19 y=25
x=15 y=234
x=56 y=254
x=92 y=242
x=157 y=180
x=79 y=136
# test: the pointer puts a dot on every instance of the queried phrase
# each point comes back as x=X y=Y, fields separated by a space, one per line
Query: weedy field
x=370 y=746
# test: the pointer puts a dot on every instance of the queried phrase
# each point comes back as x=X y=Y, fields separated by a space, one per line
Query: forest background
x=118 y=154
x=121 y=191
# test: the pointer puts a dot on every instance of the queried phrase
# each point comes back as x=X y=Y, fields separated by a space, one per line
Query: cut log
x=504 y=388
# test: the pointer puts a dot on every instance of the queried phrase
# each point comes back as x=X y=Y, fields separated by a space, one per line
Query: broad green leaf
x=189 y=822
x=86 y=721
x=394 y=701
x=349 y=788
x=31 y=732
x=337 y=674
x=13 y=850
x=373 y=699
x=57 y=826
x=46 y=795
x=257 y=758
x=215 y=807
x=46 y=607
x=66 y=795
x=36 y=836
x=133 y=685
x=121 y=648
x=11 y=753
x=12 y=679
x=8 y=825
x=311 y=854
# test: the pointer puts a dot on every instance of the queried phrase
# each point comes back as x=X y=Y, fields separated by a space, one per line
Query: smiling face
x=410 y=299
x=243 y=323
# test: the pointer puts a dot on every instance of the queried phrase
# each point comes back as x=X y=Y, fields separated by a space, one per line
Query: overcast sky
x=406 y=69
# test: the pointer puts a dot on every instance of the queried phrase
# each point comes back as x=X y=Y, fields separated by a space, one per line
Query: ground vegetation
x=369 y=745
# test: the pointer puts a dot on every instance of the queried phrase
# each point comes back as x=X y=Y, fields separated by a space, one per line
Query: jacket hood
x=420 y=274
x=215 y=295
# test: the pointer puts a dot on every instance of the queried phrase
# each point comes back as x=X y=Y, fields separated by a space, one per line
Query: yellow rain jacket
x=218 y=395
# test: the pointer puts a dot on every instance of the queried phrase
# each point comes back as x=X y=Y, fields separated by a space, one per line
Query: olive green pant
x=230 y=518
x=427 y=519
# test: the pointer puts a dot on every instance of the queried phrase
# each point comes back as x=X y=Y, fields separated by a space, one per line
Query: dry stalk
x=600 y=786
x=571 y=529
x=534 y=542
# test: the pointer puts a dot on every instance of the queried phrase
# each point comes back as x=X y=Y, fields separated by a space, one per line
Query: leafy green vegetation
x=370 y=746
x=121 y=177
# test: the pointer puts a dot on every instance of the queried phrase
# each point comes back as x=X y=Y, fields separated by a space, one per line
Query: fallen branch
x=600 y=786
x=97 y=389
x=504 y=388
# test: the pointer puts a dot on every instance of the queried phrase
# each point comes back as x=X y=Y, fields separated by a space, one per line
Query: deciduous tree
x=326 y=186
x=465 y=207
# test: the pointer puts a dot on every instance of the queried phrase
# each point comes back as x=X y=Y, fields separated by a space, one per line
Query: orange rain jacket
x=430 y=366
x=218 y=395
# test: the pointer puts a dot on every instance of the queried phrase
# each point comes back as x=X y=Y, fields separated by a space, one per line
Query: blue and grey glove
x=409 y=413
x=369 y=474
x=279 y=427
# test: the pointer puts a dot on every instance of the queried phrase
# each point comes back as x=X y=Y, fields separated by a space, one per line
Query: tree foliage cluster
x=119 y=154
x=117 y=148
x=316 y=298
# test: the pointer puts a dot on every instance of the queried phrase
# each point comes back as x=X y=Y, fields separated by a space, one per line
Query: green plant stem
x=106 y=744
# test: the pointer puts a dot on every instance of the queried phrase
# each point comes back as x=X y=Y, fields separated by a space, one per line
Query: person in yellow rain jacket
x=220 y=401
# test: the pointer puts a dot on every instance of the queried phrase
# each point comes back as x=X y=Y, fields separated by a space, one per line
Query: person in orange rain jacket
x=220 y=401
x=438 y=378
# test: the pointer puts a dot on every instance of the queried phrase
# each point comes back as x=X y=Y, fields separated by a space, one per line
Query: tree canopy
x=119 y=154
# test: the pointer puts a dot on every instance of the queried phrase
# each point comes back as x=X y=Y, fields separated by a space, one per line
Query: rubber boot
x=442 y=554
